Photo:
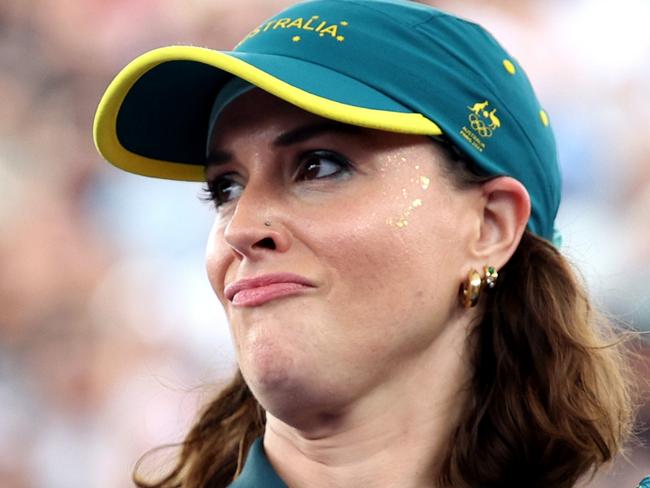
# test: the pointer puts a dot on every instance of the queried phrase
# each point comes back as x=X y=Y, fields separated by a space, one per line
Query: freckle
x=424 y=182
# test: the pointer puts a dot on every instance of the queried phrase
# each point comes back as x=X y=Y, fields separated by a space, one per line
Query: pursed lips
x=258 y=290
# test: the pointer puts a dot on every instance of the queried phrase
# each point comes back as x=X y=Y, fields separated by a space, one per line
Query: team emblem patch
x=483 y=122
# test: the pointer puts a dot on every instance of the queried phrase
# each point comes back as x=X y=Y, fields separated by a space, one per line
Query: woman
x=386 y=185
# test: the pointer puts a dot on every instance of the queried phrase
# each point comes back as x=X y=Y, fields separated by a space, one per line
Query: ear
x=505 y=212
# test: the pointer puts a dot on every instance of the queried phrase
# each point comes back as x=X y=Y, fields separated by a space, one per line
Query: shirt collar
x=257 y=470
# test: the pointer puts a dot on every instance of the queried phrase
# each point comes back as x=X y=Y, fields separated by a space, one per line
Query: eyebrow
x=294 y=136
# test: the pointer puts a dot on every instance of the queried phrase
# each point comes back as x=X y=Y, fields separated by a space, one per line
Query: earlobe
x=505 y=214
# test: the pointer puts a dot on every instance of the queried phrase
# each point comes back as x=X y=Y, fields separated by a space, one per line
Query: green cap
x=392 y=65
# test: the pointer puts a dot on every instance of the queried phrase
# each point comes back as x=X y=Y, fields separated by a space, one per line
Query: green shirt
x=257 y=472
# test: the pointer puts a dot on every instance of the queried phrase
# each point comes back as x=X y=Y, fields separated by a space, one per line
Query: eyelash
x=211 y=189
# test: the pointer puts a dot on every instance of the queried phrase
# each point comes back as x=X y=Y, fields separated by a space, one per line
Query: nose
x=256 y=227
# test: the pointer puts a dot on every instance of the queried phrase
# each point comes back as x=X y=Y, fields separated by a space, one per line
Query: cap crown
x=427 y=61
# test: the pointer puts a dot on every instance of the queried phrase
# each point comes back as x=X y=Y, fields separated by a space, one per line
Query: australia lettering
x=314 y=23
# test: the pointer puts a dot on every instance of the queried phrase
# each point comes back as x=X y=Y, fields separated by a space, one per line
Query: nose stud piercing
x=267 y=223
x=472 y=287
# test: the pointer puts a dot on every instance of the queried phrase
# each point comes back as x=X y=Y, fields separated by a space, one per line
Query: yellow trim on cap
x=108 y=145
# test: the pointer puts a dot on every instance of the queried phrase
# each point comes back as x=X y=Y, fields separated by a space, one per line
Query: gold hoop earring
x=474 y=284
x=471 y=289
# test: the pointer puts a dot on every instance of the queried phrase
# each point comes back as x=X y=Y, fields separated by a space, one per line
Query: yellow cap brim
x=108 y=143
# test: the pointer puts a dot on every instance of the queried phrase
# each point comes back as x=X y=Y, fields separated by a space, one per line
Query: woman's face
x=365 y=216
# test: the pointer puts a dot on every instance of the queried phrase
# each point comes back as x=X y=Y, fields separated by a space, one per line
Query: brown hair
x=549 y=396
x=215 y=449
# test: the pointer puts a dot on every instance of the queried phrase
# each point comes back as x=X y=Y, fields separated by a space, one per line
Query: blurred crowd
x=110 y=337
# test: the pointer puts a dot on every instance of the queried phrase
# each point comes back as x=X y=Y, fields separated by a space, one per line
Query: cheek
x=387 y=279
x=216 y=260
x=379 y=271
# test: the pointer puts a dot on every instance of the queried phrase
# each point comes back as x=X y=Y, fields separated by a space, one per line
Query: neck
x=396 y=435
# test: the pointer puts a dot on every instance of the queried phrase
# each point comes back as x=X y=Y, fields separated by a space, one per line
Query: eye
x=321 y=164
x=222 y=189
x=312 y=165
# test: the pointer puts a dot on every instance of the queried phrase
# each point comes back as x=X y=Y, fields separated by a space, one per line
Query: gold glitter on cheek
x=401 y=221
x=424 y=182
x=398 y=222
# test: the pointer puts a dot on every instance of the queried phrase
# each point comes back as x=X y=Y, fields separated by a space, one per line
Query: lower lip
x=253 y=297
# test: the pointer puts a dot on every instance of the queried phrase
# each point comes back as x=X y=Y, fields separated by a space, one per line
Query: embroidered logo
x=483 y=122
x=314 y=24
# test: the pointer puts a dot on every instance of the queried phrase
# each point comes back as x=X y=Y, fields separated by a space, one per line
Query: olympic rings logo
x=479 y=126
x=479 y=116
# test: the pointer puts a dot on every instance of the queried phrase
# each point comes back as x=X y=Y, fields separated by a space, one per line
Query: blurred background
x=110 y=336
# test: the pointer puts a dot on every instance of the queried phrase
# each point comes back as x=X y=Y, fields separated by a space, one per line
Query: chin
x=267 y=367
x=271 y=376
x=286 y=389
